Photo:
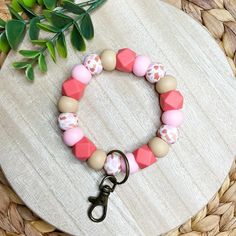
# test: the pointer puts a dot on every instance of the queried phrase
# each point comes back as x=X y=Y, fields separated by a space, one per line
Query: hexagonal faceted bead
x=73 y=88
x=172 y=100
x=84 y=149
x=144 y=156
x=125 y=60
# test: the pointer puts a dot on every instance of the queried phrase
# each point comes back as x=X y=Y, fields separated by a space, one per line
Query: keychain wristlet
x=171 y=102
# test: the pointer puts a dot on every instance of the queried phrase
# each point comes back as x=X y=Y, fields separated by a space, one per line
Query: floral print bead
x=155 y=72
x=93 y=63
x=168 y=133
x=113 y=164
x=68 y=120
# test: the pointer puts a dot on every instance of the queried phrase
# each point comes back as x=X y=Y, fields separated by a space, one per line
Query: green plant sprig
x=55 y=22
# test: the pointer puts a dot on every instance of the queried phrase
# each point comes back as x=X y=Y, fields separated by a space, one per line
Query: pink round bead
x=173 y=117
x=113 y=164
x=72 y=136
x=141 y=65
x=68 y=120
x=133 y=165
x=93 y=63
x=155 y=72
x=168 y=133
x=82 y=74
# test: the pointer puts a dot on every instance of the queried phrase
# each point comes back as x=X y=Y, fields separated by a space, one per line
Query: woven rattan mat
x=219 y=216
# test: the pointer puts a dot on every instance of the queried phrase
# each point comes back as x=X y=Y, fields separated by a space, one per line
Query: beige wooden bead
x=67 y=104
x=159 y=147
x=108 y=58
x=166 y=84
x=97 y=159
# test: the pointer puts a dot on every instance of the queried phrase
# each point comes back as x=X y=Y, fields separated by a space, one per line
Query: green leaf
x=2 y=23
x=15 y=32
x=20 y=65
x=40 y=42
x=40 y=2
x=61 y=46
x=26 y=10
x=29 y=53
x=14 y=13
x=86 y=27
x=51 y=50
x=4 y=45
x=29 y=72
x=33 y=29
x=50 y=4
x=76 y=39
x=48 y=28
x=42 y=63
x=60 y=20
x=48 y=15
x=73 y=8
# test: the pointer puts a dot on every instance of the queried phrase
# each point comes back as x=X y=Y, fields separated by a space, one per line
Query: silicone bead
x=172 y=117
x=82 y=74
x=166 y=84
x=169 y=134
x=125 y=60
x=155 y=72
x=144 y=156
x=93 y=63
x=83 y=149
x=68 y=120
x=67 y=104
x=172 y=100
x=108 y=58
x=113 y=164
x=72 y=136
x=73 y=88
x=133 y=165
x=141 y=65
x=159 y=147
x=97 y=160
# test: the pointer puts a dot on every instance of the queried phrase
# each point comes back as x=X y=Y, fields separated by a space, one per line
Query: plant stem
x=94 y=4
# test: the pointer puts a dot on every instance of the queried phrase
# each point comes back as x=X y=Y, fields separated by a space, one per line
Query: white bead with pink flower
x=155 y=72
x=93 y=63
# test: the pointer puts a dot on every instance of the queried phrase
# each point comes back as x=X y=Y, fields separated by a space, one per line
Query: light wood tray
x=204 y=160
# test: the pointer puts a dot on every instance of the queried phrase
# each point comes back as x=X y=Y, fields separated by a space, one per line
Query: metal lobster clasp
x=101 y=199
x=105 y=190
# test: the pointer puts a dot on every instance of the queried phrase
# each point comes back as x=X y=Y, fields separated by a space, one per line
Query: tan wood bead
x=108 y=58
x=97 y=159
x=159 y=147
x=67 y=104
x=166 y=84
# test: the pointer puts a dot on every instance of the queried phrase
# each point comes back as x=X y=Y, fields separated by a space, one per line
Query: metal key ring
x=127 y=168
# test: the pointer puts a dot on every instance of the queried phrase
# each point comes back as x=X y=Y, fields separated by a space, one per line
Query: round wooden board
x=121 y=111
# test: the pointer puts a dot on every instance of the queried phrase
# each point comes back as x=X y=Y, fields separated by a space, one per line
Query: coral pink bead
x=72 y=136
x=144 y=156
x=141 y=65
x=125 y=60
x=171 y=100
x=73 y=88
x=68 y=120
x=168 y=133
x=84 y=149
x=173 y=117
x=82 y=74
x=93 y=63
x=133 y=165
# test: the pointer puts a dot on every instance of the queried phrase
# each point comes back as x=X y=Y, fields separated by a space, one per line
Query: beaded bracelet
x=171 y=101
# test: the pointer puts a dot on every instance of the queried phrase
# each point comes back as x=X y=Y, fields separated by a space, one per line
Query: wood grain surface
x=121 y=111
